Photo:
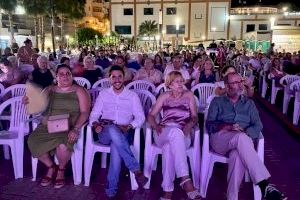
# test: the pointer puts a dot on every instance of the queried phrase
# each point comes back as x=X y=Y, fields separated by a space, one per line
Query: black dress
x=42 y=79
x=92 y=75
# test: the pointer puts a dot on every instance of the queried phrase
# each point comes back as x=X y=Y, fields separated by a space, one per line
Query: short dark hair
x=63 y=59
x=116 y=68
x=226 y=78
x=5 y=62
x=27 y=41
x=61 y=66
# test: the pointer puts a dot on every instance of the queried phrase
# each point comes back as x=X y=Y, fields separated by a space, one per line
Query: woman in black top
x=90 y=72
x=42 y=75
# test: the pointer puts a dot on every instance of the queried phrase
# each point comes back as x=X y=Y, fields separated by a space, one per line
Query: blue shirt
x=243 y=112
x=103 y=62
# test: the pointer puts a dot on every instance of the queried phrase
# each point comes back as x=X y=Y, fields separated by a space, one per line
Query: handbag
x=57 y=123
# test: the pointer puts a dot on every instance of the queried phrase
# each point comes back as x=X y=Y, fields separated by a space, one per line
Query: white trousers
x=174 y=158
x=242 y=156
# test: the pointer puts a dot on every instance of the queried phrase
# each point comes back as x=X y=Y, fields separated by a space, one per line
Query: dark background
x=292 y=5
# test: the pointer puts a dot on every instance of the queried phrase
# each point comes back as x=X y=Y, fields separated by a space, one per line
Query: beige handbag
x=58 y=123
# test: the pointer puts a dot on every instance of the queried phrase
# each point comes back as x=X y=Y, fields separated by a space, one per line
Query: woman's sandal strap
x=184 y=181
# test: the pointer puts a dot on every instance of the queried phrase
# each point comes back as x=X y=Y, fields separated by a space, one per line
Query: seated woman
x=173 y=133
x=42 y=76
x=64 y=98
x=207 y=75
x=149 y=73
x=91 y=73
x=276 y=70
x=10 y=75
x=220 y=85
x=158 y=63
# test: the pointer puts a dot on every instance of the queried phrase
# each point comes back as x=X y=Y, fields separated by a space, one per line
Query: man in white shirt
x=120 y=111
x=177 y=65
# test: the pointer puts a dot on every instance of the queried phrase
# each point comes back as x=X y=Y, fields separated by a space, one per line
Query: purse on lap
x=58 y=123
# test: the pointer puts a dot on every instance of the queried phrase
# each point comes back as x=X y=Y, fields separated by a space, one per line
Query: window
x=128 y=11
x=148 y=11
x=171 y=11
x=123 y=29
x=250 y=27
x=97 y=1
x=97 y=9
x=171 y=29
x=262 y=27
x=283 y=24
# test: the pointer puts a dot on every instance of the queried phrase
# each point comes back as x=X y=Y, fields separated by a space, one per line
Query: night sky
x=293 y=5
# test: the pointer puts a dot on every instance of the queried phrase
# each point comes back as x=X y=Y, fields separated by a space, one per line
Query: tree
x=37 y=9
x=86 y=36
x=9 y=7
x=148 y=28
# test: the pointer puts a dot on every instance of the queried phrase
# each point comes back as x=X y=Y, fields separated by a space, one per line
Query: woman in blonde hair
x=207 y=75
x=90 y=72
x=173 y=133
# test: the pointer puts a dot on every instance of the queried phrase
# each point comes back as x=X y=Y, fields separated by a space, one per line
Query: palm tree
x=37 y=9
x=9 y=7
x=148 y=28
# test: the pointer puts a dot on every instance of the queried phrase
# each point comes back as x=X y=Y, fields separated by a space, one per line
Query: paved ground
x=281 y=158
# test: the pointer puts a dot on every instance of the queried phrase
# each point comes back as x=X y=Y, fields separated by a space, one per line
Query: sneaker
x=271 y=193
x=141 y=179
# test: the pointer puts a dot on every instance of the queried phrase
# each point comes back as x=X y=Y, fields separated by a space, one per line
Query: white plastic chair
x=152 y=151
x=133 y=71
x=141 y=85
x=147 y=100
x=26 y=68
x=83 y=82
x=94 y=92
x=286 y=81
x=274 y=89
x=160 y=89
x=102 y=83
x=14 y=136
x=1 y=90
x=295 y=86
x=76 y=160
x=264 y=84
x=204 y=91
x=209 y=158
x=15 y=90
x=91 y=147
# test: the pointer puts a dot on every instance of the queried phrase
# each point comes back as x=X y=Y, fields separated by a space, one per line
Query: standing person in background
x=25 y=52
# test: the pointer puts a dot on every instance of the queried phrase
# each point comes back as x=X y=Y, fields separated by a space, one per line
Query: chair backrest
x=147 y=99
x=141 y=85
x=295 y=85
x=18 y=112
x=2 y=88
x=103 y=83
x=26 y=68
x=99 y=67
x=160 y=89
x=203 y=91
x=83 y=82
x=94 y=92
x=15 y=90
x=288 y=79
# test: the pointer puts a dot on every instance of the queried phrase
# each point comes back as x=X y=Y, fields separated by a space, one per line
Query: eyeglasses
x=64 y=74
x=236 y=82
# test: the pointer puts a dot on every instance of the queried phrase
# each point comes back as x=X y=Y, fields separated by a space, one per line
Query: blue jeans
x=119 y=150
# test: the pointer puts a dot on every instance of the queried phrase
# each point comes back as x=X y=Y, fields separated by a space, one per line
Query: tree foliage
x=86 y=36
x=8 y=5
x=149 y=28
x=36 y=7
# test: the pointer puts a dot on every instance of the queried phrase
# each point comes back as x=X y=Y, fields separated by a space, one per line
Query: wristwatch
x=129 y=127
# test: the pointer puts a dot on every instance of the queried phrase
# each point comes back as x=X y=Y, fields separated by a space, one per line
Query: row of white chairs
x=290 y=85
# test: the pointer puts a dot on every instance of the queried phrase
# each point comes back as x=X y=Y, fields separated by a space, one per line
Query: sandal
x=164 y=198
x=59 y=182
x=140 y=179
x=192 y=194
x=46 y=180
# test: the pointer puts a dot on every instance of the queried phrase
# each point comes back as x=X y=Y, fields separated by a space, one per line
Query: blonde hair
x=171 y=76
x=86 y=58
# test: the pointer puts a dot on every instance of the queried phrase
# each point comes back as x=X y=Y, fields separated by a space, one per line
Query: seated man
x=233 y=121
x=120 y=111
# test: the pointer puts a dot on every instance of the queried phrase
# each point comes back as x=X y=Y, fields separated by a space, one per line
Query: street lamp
x=272 y=20
x=177 y=33
x=160 y=21
x=203 y=38
x=67 y=37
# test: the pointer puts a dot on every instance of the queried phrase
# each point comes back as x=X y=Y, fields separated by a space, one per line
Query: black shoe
x=271 y=193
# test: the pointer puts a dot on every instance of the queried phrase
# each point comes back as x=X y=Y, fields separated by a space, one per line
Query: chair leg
x=148 y=166
x=257 y=192
x=88 y=164
x=34 y=162
x=296 y=112
x=20 y=156
x=14 y=160
x=154 y=163
x=286 y=100
x=6 y=152
x=134 y=185
x=103 y=160
x=247 y=176
x=206 y=172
